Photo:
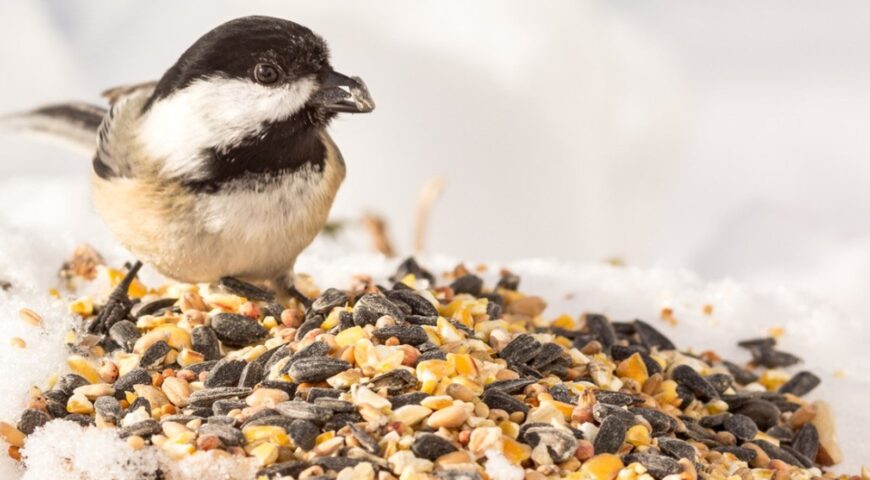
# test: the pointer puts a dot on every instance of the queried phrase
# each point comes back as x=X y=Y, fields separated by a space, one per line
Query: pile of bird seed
x=417 y=380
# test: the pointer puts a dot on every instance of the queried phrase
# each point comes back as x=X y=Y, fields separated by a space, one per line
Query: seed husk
x=304 y=433
x=801 y=384
x=407 y=334
x=741 y=426
x=137 y=376
x=237 y=330
x=229 y=436
x=470 y=284
x=304 y=411
x=676 y=448
x=419 y=305
x=494 y=398
x=370 y=307
x=692 y=380
x=611 y=434
x=125 y=334
x=807 y=441
x=225 y=373
x=560 y=443
x=206 y=397
x=659 y=466
x=521 y=349
x=143 y=429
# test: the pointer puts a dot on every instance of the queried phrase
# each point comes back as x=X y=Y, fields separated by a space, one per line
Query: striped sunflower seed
x=316 y=369
x=237 y=330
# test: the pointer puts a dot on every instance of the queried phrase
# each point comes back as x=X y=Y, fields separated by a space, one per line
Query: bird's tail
x=75 y=124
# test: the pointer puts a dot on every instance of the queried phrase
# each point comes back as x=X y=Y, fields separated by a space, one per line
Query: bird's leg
x=284 y=285
x=253 y=292
x=118 y=304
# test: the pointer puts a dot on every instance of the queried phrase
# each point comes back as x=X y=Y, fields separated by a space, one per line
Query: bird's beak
x=340 y=93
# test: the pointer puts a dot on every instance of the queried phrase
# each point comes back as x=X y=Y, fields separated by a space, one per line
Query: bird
x=223 y=168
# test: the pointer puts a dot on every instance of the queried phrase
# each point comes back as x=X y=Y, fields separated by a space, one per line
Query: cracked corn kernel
x=176 y=337
x=83 y=306
x=265 y=453
x=605 y=466
x=81 y=366
x=349 y=336
x=638 y=436
x=189 y=357
x=633 y=368
x=463 y=364
x=515 y=451
x=78 y=403
x=430 y=373
x=261 y=433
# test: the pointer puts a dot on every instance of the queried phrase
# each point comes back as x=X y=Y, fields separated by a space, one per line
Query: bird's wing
x=75 y=123
x=113 y=95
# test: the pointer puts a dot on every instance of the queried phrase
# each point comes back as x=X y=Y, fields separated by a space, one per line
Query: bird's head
x=239 y=79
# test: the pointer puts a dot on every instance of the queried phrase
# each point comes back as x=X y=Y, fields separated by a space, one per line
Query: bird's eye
x=266 y=73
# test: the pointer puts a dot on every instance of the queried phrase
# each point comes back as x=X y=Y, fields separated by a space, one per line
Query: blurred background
x=728 y=139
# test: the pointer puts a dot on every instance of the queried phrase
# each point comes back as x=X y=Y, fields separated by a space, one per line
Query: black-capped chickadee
x=223 y=168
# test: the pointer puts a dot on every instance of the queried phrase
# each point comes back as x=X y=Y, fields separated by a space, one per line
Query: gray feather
x=75 y=124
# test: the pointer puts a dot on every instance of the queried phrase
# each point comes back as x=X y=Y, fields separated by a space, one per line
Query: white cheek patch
x=214 y=113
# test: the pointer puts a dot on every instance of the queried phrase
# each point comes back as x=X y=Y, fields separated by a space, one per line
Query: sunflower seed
x=108 y=408
x=318 y=392
x=237 y=330
x=470 y=284
x=410 y=267
x=31 y=419
x=422 y=320
x=763 y=413
x=676 y=448
x=720 y=381
x=658 y=466
x=228 y=435
x=125 y=334
x=615 y=398
x=291 y=468
x=225 y=406
x=370 y=307
x=770 y=358
x=225 y=373
x=364 y=439
x=807 y=441
x=549 y=353
x=154 y=356
x=418 y=304
x=742 y=453
x=137 y=376
x=801 y=384
x=508 y=281
x=741 y=427
x=431 y=446
x=611 y=434
x=143 y=429
x=205 y=341
x=651 y=337
x=406 y=333
x=252 y=374
x=152 y=308
x=511 y=386
x=303 y=410
x=499 y=399
x=777 y=453
x=339 y=420
x=206 y=397
x=521 y=349
x=334 y=404
x=316 y=369
x=304 y=433
x=329 y=299
x=413 y=398
x=245 y=289
x=687 y=376
x=307 y=326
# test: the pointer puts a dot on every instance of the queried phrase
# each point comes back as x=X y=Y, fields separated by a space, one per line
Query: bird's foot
x=118 y=305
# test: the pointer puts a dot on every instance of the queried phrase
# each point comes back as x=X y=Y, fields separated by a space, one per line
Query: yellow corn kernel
x=83 y=306
x=605 y=466
x=349 y=336
x=566 y=322
x=189 y=357
x=716 y=407
x=668 y=393
x=430 y=372
x=54 y=293
x=472 y=384
x=270 y=322
x=510 y=428
x=130 y=397
x=410 y=280
x=79 y=403
x=437 y=402
x=432 y=332
x=176 y=337
x=565 y=408
x=266 y=453
x=773 y=379
x=463 y=364
x=448 y=332
x=126 y=362
x=260 y=433
x=638 y=436
x=51 y=382
x=515 y=451
x=564 y=342
x=82 y=367
x=633 y=368
x=178 y=451
x=253 y=353
x=333 y=318
x=324 y=437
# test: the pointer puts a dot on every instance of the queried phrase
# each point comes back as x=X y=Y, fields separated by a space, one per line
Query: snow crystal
x=497 y=466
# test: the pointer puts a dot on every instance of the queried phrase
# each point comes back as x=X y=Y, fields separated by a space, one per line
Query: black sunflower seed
x=422 y=320
x=720 y=381
x=310 y=324
x=206 y=397
x=137 y=376
x=652 y=338
x=561 y=393
x=600 y=328
x=410 y=266
x=80 y=419
x=152 y=308
x=339 y=420
x=764 y=342
x=741 y=426
x=304 y=411
x=714 y=422
x=225 y=373
x=742 y=453
x=549 y=353
x=316 y=369
x=143 y=429
x=508 y=281
x=615 y=398
x=370 y=307
x=771 y=358
x=31 y=419
x=659 y=466
x=687 y=376
x=154 y=356
x=498 y=399
x=334 y=404
x=431 y=446
x=511 y=386
x=125 y=334
x=244 y=289
x=763 y=413
x=291 y=468
x=228 y=435
x=407 y=334
x=470 y=284
x=71 y=381
x=677 y=448
x=312 y=350
x=225 y=406
x=252 y=374
x=237 y=330
x=364 y=439
x=611 y=434
x=807 y=441
x=521 y=349
x=661 y=423
x=304 y=433
x=801 y=384
x=319 y=392
x=205 y=341
x=600 y=411
x=329 y=299
x=777 y=453
x=419 y=305
x=109 y=408
x=413 y=398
